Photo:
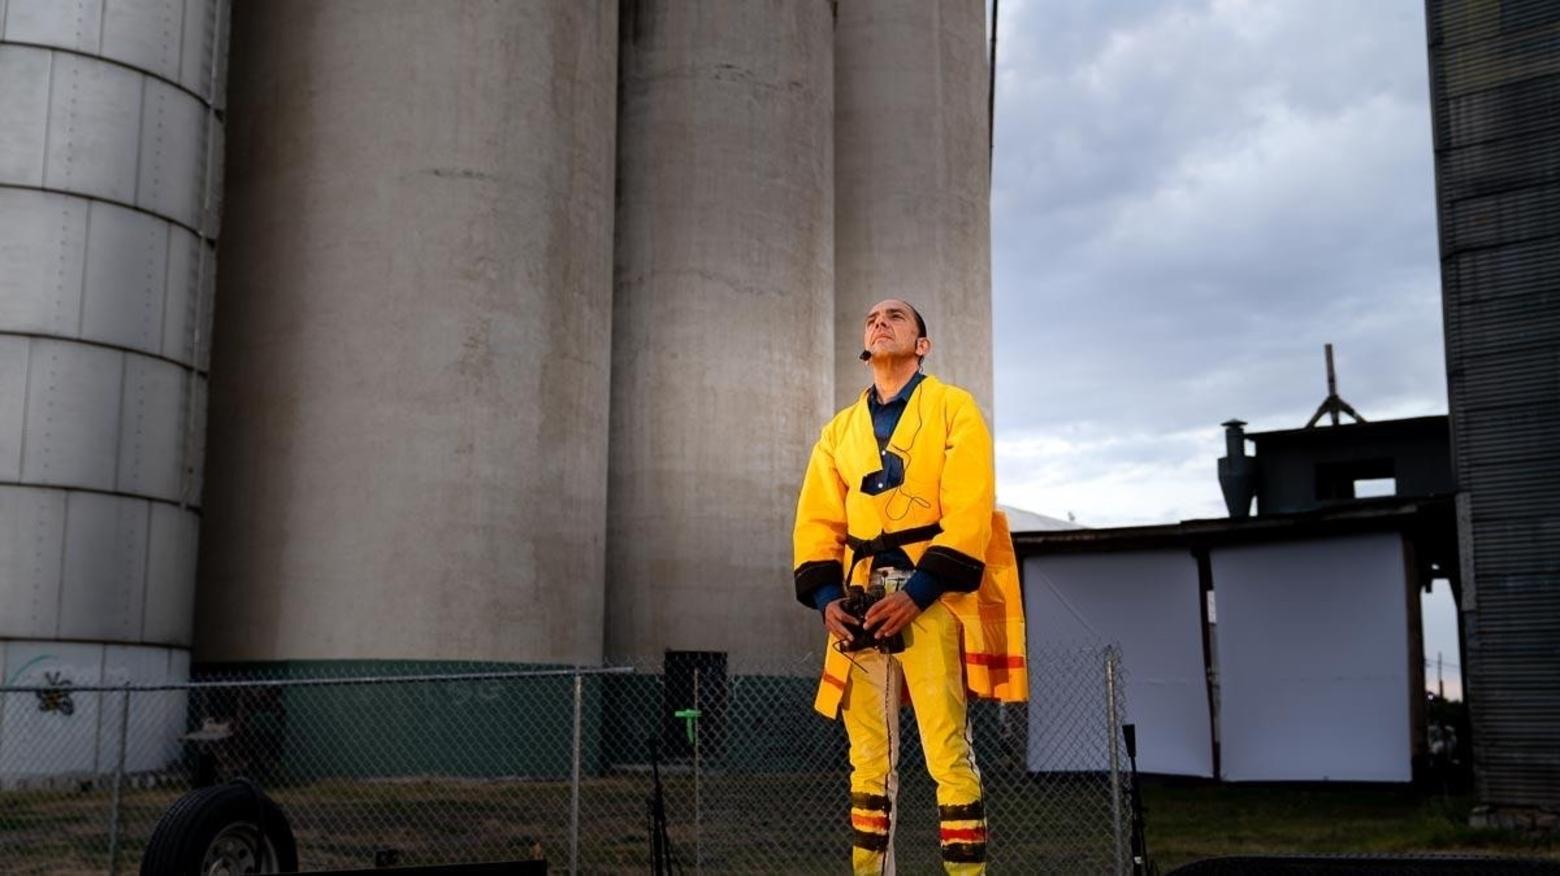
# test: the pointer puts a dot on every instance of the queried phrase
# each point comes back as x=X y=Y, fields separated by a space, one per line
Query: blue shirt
x=923 y=588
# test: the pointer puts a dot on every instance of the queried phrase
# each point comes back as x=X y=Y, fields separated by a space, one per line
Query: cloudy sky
x=1190 y=198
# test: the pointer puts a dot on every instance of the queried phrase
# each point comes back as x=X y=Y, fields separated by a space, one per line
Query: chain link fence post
x=574 y=780
x=698 y=811
x=119 y=780
x=1113 y=727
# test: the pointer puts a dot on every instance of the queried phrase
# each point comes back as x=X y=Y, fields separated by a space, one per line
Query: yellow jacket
x=949 y=480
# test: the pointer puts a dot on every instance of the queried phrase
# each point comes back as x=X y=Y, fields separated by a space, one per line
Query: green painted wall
x=523 y=727
x=519 y=727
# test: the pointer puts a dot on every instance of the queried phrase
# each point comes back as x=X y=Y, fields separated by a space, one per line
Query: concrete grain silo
x=110 y=150
x=413 y=337
x=722 y=321
x=911 y=195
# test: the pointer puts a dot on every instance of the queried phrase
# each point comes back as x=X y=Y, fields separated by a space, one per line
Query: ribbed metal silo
x=410 y=461
x=110 y=150
x=1495 y=108
x=722 y=320
x=912 y=204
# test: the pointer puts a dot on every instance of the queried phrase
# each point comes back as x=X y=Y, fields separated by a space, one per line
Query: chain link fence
x=481 y=763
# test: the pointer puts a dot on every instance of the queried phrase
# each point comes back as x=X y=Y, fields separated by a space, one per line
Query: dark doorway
x=682 y=667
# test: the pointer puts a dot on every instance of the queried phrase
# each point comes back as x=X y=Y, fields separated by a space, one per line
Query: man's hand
x=891 y=614
x=838 y=621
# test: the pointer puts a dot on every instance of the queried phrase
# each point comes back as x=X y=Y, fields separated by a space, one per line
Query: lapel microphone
x=866 y=356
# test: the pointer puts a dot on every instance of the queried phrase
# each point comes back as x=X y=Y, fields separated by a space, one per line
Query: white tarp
x=1313 y=660
x=1145 y=602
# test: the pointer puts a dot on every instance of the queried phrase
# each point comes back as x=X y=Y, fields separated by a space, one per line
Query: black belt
x=862 y=548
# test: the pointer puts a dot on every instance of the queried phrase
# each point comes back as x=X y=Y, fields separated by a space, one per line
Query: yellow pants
x=931 y=670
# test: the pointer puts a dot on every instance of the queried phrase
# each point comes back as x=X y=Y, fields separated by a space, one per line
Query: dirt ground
x=787 y=823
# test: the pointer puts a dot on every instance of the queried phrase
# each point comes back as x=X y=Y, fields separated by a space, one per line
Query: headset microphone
x=866 y=356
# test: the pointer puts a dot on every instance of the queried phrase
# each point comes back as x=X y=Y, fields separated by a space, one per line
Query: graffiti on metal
x=57 y=700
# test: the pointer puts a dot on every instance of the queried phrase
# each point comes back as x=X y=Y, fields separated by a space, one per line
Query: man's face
x=890 y=329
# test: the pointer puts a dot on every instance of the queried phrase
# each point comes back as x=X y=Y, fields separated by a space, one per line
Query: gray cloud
x=1189 y=199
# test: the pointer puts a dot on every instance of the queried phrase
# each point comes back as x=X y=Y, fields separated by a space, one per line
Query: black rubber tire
x=185 y=832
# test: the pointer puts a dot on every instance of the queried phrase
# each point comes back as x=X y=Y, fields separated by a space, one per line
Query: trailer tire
x=229 y=829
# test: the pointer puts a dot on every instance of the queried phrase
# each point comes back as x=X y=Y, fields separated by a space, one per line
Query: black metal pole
x=1140 y=864
x=659 y=863
x=991 y=93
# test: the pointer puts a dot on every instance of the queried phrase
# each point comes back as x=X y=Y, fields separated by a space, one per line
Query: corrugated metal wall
x=1495 y=95
x=110 y=150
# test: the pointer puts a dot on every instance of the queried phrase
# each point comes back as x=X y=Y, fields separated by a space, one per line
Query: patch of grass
x=791 y=823
x=1187 y=823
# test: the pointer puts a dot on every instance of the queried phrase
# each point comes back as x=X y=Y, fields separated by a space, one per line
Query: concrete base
x=1527 y=819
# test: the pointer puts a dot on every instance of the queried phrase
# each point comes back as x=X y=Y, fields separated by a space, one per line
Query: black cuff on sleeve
x=958 y=572
x=818 y=573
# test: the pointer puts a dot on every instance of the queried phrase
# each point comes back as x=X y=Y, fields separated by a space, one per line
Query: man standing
x=900 y=493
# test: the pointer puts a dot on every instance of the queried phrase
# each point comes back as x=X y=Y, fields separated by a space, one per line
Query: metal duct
x=1237 y=471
